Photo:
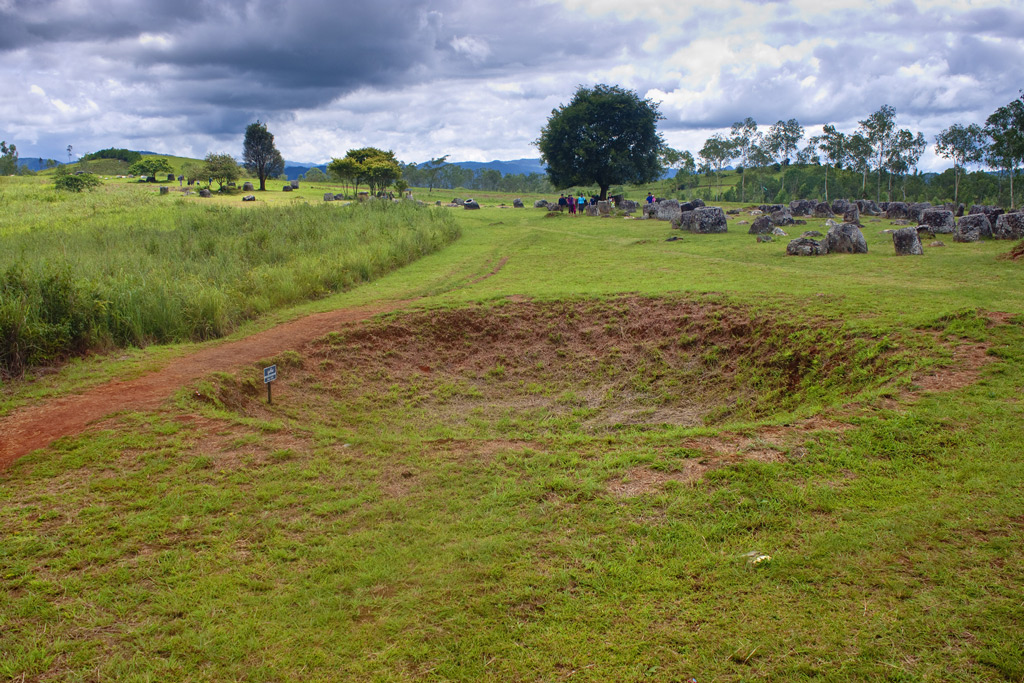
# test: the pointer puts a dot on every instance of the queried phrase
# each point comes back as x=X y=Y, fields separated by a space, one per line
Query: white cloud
x=474 y=48
x=478 y=80
x=152 y=40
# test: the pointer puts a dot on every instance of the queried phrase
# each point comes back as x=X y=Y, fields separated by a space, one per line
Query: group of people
x=574 y=204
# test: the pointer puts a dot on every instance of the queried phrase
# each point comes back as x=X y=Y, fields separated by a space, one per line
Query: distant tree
x=1005 y=128
x=716 y=153
x=433 y=168
x=682 y=162
x=315 y=175
x=744 y=138
x=489 y=178
x=858 y=153
x=375 y=167
x=783 y=138
x=761 y=161
x=379 y=169
x=453 y=176
x=879 y=129
x=832 y=144
x=808 y=156
x=8 y=158
x=192 y=171
x=606 y=135
x=126 y=155
x=346 y=170
x=221 y=167
x=782 y=141
x=904 y=154
x=963 y=145
x=150 y=166
x=259 y=154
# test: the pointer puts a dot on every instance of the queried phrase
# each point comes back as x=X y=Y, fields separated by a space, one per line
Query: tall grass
x=182 y=271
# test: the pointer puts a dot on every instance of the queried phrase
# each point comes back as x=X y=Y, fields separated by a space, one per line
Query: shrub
x=76 y=183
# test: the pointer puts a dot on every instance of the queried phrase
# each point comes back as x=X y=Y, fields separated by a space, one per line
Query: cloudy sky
x=477 y=79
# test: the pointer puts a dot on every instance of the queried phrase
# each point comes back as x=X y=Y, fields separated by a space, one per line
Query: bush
x=76 y=183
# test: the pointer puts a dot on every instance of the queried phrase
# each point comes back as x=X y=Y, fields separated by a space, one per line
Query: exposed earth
x=37 y=426
x=563 y=346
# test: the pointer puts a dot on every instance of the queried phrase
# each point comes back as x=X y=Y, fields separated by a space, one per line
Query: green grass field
x=559 y=463
x=125 y=266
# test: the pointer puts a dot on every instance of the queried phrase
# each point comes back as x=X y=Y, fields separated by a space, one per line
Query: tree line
x=436 y=173
x=877 y=150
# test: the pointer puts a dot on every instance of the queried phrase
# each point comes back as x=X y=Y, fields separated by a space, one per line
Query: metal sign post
x=269 y=375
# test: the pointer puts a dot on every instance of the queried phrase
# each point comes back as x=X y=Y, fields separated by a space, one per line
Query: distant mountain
x=524 y=166
x=293 y=169
x=34 y=164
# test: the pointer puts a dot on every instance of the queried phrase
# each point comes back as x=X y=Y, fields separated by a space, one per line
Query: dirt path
x=35 y=427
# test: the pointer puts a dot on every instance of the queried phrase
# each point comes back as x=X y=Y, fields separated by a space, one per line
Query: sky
x=478 y=79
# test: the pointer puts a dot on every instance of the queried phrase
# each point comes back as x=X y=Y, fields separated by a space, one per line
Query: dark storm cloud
x=271 y=56
x=433 y=75
x=29 y=23
x=996 y=21
x=989 y=60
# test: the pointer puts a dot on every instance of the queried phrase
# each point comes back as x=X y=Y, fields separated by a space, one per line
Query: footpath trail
x=38 y=426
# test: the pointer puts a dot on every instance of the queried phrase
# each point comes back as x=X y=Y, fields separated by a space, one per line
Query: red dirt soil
x=37 y=426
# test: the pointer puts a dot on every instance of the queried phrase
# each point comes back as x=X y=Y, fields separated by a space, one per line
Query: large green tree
x=259 y=155
x=782 y=141
x=346 y=170
x=744 y=138
x=832 y=144
x=375 y=167
x=221 y=167
x=1005 y=127
x=879 y=129
x=963 y=145
x=192 y=171
x=904 y=154
x=783 y=138
x=716 y=153
x=858 y=153
x=150 y=167
x=606 y=135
